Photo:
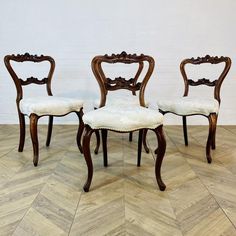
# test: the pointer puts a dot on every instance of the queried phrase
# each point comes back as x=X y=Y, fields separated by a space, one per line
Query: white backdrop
x=74 y=31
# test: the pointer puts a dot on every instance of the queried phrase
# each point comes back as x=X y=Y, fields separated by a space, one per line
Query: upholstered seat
x=123 y=118
x=50 y=105
x=189 y=106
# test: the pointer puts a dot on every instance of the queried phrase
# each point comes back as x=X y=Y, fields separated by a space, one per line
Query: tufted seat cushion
x=189 y=106
x=123 y=118
x=120 y=99
x=50 y=105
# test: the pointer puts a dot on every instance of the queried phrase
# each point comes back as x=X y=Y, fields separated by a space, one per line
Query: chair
x=189 y=106
x=122 y=117
x=121 y=98
x=36 y=107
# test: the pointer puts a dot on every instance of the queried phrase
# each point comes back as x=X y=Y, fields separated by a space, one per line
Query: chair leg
x=145 y=140
x=160 y=155
x=98 y=142
x=130 y=136
x=22 y=132
x=185 y=130
x=50 y=124
x=104 y=146
x=212 y=126
x=80 y=130
x=140 y=142
x=213 y=145
x=87 y=156
x=34 y=137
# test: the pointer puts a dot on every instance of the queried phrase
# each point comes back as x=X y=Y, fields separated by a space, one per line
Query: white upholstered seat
x=189 y=106
x=50 y=105
x=123 y=118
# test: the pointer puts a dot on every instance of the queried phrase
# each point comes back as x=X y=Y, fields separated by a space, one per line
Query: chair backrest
x=107 y=84
x=203 y=81
x=19 y=82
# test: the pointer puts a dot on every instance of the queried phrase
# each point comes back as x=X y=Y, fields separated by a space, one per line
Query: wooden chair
x=122 y=117
x=189 y=106
x=114 y=100
x=36 y=107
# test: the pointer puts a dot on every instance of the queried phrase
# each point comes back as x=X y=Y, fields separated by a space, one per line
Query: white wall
x=74 y=31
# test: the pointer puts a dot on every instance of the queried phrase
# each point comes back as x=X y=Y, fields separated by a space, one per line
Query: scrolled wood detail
x=122 y=83
x=207 y=59
x=27 y=57
x=202 y=81
x=33 y=80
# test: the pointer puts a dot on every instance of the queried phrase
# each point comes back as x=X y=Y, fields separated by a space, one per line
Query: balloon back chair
x=36 y=107
x=189 y=106
x=122 y=117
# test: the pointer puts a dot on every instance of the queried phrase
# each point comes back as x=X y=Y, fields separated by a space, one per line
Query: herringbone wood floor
x=200 y=199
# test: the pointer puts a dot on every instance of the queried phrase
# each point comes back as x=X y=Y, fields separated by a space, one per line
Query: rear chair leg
x=185 y=130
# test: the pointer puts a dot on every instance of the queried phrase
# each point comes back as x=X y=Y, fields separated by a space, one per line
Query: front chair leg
x=22 y=132
x=140 y=140
x=50 y=124
x=104 y=146
x=212 y=125
x=145 y=140
x=185 y=131
x=80 y=130
x=34 y=137
x=213 y=145
x=160 y=155
x=98 y=141
x=87 y=156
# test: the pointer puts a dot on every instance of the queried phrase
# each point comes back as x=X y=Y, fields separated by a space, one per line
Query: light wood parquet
x=200 y=199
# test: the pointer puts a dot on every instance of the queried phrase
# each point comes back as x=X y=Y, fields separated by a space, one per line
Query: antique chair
x=122 y=98
x=122 y=117
x=36 y=107
x=189 y=106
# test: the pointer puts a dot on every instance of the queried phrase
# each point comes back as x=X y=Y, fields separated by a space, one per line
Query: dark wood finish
x=140 y=141
x=50 y=124
x=22 y=132
x=185 y=130
x=145 y=140
x=217 y=86
x=34 y=137
x=130 y=136
x=87 y=156
x=120 y=83
x=107 y=84
x=104 y=146
x=80 y=130
x=207 y=59
x=160 y=155
x=98 y=142
x=19 y=83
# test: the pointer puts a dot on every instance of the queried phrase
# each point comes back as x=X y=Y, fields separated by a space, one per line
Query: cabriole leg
x=34 y=137
x=87 y=156
x=160 y=155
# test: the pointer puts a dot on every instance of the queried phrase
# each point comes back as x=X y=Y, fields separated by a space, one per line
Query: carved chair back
x=216 y=83
x=107 y=84
x=19 y=82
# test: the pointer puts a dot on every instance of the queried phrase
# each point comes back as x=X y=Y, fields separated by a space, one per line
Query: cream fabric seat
x=189 y=106
x=50 y=105
x=123 y=118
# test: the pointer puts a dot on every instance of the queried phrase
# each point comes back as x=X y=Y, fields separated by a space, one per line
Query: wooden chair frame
x=19 y=83
x=107 y=84
x=212 y=118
